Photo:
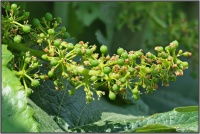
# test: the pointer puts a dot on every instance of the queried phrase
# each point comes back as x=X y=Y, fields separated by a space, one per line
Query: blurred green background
x=133 y=26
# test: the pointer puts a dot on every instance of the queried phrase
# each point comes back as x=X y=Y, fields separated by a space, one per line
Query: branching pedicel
x=119 y=73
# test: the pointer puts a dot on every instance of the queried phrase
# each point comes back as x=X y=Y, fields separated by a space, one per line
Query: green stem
x=42 y=30
x=21 y=47
x=61 y=103
x=28 y=77
x=18 y=23
x=25 y=84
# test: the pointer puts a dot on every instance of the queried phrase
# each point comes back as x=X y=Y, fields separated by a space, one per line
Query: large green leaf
x=72 y=111
x=17 y=116
x=181 y=119
x=47 y=123
x=109 y=122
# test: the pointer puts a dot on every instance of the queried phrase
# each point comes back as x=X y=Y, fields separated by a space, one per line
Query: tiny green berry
x=26 y=28
x=78 y=45
x=164 y=55
x=115 y=88
x=50 y=73
x=180 y=52
x=185 y=64
x=103 y=49
x=93 y=78
x=54 y=62
x=71 y=92
x=148 y=70
x=25 y=15
x=42 y=77
x=70 y=46
x=94 y=63
x=131 y=69
x=55 y=24
x=44 y=57
x=63 y=29
x=35 y=83
x=35 y=65
x=124 y=55
x=39 y=41
x=14 y=6
x=57 y=42
x=17 y=38
x=89 y=52
x=112 y=95
x=175 y=43
x=178 y=62
x=149 y=55
x=36 y=22
x=120 y=61
x=120 y=51
x=134 y=56
x=28 y=91
x=66 y=35
x=42 y=35
x=27 y=60
x=78 y=51
x=107 y=70
x=155 y=80
x=51 y=31
x=123 y=80
x=187 y=54
x=138 y=53
x=159 y=48
x=48 y=17
x=58 y=19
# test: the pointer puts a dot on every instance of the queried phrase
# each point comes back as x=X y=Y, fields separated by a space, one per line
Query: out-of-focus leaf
x=87 y=11
x=17 y=116
x=109 y=10
x=101 y=38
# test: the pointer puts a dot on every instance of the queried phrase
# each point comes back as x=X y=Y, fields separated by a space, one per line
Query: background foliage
x=131 y=25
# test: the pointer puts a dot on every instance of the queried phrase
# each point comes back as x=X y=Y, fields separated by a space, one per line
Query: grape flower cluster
x=119 y=73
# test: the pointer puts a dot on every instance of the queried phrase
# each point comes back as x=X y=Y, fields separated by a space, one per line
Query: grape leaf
x=47 y=122
x=17 y=116
x=181 y=119
x=74 y=111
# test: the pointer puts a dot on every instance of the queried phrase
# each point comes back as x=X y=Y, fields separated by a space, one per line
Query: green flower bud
x=187 y=54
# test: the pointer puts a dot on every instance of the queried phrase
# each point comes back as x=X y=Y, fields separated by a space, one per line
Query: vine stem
x=61 y=103
x=18 y=23
x=80 y=115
